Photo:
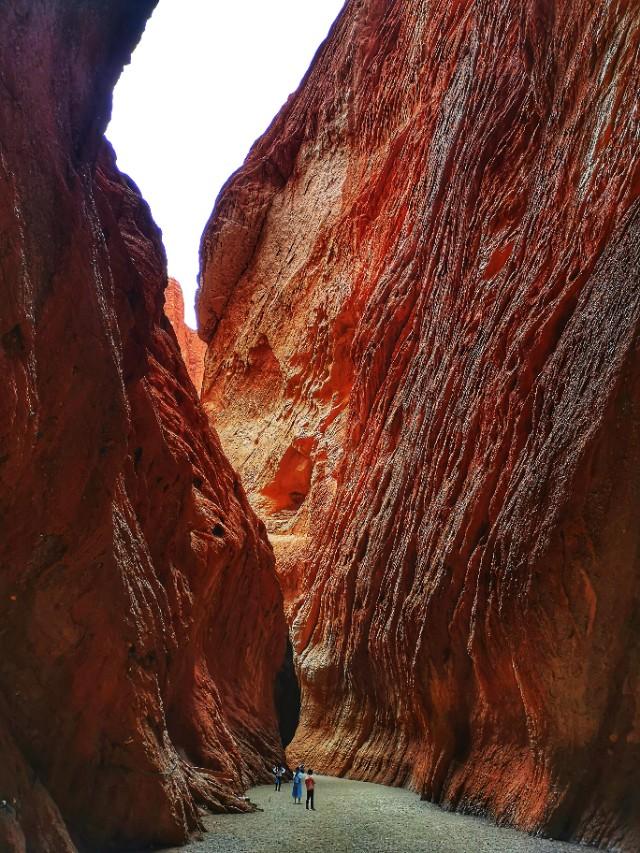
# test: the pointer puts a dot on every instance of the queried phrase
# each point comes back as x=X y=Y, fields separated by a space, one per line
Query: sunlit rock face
x=141 y=623
x=191 y=347
x=422 y=300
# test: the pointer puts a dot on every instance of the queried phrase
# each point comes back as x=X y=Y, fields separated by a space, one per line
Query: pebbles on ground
x=358 y=817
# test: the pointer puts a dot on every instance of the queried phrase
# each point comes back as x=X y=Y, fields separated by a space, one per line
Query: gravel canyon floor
x=359 y=817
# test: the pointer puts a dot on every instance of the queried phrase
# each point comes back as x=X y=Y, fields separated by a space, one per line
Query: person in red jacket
x=310 y=784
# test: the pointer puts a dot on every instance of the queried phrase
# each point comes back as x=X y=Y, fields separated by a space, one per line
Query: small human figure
x=7 y=807
x=278 y=773
x=296 y=791
x=310 y=784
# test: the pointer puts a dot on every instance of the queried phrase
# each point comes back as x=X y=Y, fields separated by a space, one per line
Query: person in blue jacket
x=296 y=791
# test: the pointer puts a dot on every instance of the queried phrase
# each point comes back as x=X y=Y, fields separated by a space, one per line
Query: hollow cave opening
x=292 y=481
x=287 y=696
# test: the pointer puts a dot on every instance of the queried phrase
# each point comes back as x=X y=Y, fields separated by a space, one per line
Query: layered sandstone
x=141 y=622
x=191 y=347
x=422 y=305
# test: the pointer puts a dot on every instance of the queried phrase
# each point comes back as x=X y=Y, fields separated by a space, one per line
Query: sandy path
x=356 y=817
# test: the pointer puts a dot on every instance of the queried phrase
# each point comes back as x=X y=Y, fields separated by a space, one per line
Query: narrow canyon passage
x=358 y=817
x=406 y=436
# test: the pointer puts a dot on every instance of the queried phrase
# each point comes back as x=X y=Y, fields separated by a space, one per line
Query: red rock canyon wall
x=141 y=621
x=422 y=303
x=191 y=347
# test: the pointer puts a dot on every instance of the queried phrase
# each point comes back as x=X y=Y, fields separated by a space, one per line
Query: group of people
x=298 y=777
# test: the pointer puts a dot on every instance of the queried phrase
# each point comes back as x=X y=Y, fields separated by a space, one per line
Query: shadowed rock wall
x=141 y=622
x=421 y=296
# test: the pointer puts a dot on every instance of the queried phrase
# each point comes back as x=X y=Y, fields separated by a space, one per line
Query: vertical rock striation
x=141 y=621
x=421 y=296
x=191 y=347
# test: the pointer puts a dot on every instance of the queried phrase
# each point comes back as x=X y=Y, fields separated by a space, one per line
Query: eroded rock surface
x=141 y=622
x=422 y=299
x=191 y=347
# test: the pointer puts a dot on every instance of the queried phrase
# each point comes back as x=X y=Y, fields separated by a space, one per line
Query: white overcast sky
x=204 y=82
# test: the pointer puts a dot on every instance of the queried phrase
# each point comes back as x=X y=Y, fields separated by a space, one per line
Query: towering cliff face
x=141 y=622
x=421 y=297
x=191 y=347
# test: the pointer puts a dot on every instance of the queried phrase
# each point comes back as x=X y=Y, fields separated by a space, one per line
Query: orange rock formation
x=141 y=622
x=422 y=301
x=191 y=347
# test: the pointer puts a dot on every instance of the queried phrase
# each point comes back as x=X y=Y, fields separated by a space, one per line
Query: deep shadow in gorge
x=287 y=698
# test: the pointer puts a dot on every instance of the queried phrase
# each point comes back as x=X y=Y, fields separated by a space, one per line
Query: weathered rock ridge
x=141 y=622
x=421 y=296
x=192 y=348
